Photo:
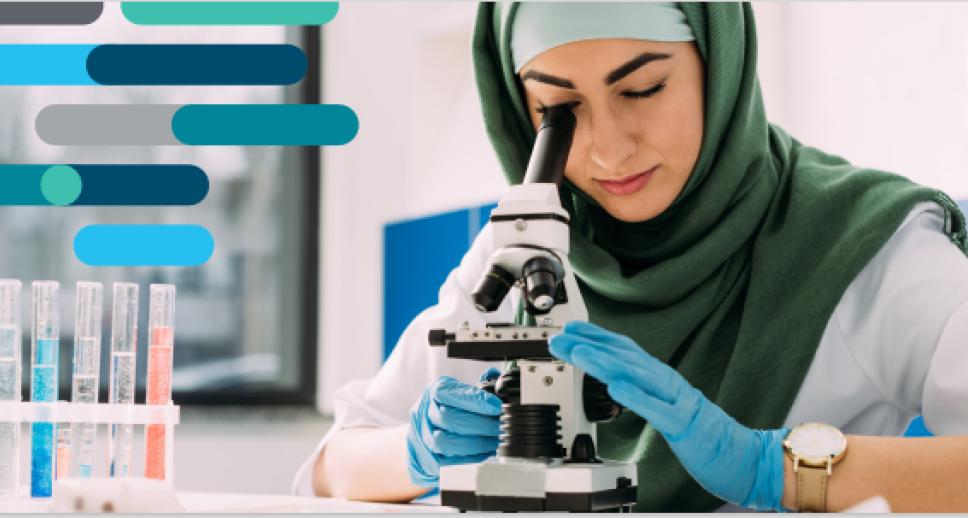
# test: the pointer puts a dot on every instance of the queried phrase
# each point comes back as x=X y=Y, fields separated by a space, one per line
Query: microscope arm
x=547 y=458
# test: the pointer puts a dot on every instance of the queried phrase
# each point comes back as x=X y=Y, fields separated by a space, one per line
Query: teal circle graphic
x=61 y=185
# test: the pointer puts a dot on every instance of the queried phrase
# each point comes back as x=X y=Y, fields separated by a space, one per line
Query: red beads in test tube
x=161 y=336
x=161 y=329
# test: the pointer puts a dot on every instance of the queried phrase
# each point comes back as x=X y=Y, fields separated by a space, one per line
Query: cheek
x=674 y=131
x=670 y=132
x=575 y=169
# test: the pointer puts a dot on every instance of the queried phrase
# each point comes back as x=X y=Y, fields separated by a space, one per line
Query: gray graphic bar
x=107 y=124
x=50 y=13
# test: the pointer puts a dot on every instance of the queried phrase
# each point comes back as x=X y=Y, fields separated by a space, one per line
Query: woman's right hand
x=452 y=423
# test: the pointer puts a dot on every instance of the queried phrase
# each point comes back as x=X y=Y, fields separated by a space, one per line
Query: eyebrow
x=626 y=69
x=613 y=77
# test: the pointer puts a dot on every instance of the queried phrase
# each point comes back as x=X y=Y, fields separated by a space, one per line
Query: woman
x=738 y=283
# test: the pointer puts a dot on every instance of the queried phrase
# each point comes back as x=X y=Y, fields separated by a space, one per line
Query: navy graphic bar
x=116 y=64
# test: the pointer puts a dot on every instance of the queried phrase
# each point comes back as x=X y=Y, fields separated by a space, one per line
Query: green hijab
x=733 y=285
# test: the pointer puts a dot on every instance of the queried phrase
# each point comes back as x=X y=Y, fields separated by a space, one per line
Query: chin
x=634 y=208
x=630 y=211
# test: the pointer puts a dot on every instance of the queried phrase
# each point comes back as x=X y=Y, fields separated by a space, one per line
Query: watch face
x=816 y=440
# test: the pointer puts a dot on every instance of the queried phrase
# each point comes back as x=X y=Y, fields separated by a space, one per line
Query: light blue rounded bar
x=143 y=245
x=52 y=64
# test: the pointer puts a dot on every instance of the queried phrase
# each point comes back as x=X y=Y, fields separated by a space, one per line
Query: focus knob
x=599 y=406
x=439 y=337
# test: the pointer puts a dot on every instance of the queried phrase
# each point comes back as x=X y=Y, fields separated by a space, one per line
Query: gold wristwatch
x=814 y=448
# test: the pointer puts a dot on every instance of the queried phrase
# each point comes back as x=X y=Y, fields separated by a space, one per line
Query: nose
x=612 y=143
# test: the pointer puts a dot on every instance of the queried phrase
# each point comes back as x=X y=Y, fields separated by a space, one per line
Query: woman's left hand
x=729 y=460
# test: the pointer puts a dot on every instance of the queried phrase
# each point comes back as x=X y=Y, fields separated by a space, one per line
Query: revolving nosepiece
x=492 y=288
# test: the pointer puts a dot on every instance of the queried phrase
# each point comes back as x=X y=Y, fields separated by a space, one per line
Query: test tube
x=9 y=385
x=124 y=344
x=45 y=342
x=161 y=330
x=63 y=468
x=87 y=356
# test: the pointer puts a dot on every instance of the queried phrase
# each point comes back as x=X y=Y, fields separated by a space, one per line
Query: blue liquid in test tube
x=9 y=385
x=43 y=384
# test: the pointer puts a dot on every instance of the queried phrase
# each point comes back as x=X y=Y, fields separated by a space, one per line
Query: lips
x=628 y=185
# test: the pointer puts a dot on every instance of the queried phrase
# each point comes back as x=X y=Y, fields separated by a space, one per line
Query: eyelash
x=645 y=93
x=629 y=95
x=543 y=109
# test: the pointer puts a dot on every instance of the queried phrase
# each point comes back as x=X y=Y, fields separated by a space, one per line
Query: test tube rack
x=107 y=413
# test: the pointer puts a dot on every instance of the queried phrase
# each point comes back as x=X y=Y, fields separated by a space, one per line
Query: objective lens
x=544 y=302
x=492 y=288
x=540 y=283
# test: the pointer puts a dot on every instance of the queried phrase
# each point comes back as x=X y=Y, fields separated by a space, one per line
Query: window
x=245 y=320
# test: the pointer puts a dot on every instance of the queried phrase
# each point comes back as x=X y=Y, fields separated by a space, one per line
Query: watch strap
x=811 y=489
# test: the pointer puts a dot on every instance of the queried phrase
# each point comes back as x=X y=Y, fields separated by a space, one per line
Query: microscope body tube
x=124 y=340
x=10 y=364
x=161 y=330
x=552 y=146
x=45 y=338
x=85 y=382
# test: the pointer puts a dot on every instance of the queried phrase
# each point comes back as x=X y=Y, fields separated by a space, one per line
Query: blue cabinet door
x=418 y=254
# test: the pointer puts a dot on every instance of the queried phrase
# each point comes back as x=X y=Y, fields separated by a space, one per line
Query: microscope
x=546 y=460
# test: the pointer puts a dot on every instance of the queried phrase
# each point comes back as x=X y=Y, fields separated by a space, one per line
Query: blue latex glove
x=729 y=460
x=452 y=423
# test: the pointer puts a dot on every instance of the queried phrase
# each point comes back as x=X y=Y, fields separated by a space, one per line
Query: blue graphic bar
x=121 y=64
x=45 y=65
x=265 y=124
x=143 y=245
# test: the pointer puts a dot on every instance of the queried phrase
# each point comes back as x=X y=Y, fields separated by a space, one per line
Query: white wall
x=883 y=85
x=421 y=149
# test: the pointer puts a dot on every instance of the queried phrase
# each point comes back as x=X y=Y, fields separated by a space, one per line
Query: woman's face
x=640 y=118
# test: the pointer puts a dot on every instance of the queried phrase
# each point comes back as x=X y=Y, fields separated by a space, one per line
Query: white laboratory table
x=249 y=503
x=246 y=503
x=243 y=503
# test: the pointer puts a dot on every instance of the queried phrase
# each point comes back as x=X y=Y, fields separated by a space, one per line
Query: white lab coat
x=895 y=348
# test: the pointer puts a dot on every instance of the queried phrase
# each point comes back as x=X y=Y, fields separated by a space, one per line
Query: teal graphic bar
x=229 y=13
x=39 y=185
x=143 y=245
x=50 y=13
x=20 y=185
x=197 y=124
x=265 y=124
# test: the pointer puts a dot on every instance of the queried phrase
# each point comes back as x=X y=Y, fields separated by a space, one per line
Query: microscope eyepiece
x=492 y=288
x=541 y=283
x=552 y=145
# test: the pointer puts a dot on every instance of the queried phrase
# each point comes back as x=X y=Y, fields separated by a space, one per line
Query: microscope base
x=568 y=488
x=553 y=502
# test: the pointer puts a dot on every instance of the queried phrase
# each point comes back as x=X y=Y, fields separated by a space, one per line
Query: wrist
x=768 y=489
x=789 y=500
